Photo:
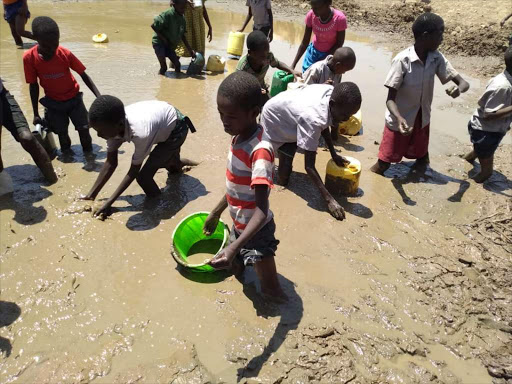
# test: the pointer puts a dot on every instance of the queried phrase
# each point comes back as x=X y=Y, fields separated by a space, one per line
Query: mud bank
x=413 y=287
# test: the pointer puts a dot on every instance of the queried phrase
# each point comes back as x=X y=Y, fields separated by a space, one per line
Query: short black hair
x=241 y=88
x=427 y=23
x=508 y=59
x=327 y=2
x=345 y=54
x=106 y=109
x=44 y=26
x=178 y=1
x=347 y=93
x=257 y=41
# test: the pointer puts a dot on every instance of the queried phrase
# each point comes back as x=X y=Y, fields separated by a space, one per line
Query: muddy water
x=381 y=297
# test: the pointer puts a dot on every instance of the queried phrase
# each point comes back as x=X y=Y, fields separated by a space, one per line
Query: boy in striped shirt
x=249 y=178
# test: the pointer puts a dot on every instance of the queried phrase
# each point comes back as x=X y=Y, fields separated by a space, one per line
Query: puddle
x=103 y=302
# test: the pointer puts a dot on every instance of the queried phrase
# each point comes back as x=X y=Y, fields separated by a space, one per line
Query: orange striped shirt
x=8 y=2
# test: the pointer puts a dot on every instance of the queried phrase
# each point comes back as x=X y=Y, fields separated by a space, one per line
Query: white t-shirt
x=320 y=72
x=259 y=9
x=199 y=3
x=298 y=116
x=147 y=123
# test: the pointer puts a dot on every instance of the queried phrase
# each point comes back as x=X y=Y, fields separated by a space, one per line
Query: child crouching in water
x=410 y=84
x=491 y=120
x=249 y=178
x=331 y=70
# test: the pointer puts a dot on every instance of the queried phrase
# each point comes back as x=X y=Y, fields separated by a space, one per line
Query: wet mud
x=413 y=287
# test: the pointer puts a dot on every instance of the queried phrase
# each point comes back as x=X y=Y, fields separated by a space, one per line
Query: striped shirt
x=250 y=163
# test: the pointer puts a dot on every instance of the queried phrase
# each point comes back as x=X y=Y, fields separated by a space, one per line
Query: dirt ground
x=413 y=287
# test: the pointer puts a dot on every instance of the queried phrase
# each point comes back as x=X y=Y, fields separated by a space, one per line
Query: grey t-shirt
x=259 y=9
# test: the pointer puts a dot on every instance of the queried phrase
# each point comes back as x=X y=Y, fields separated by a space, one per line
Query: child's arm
x=88 y=81
x=339 y=160
x=192 y=52
x=162 y=38
x=20 y=27
x=247 y=19
x=462 y=86
x=213 y=218
x=271 y=33
x=282 y=66
x=303 y=45
x=207 y=19
x=393 y=109
x=334 y=208
x=225 y=257
x=340 y=40
x=499 y=114
x=106 y=172
x=130 y=176
x=34 y=97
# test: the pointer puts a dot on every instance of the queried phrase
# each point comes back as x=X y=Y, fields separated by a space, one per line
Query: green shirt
x=243 y=65
x=170 y=24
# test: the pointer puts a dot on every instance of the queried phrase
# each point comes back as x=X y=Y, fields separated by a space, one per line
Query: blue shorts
x=162 y=51
x=484 y=143
x=11 y=11
x=312 y=56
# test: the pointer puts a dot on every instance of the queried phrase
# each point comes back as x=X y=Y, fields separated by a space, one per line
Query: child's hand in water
x=210 y=224
x=297 y=74
x=453 y=91
x=224 y=259
x=403 y=127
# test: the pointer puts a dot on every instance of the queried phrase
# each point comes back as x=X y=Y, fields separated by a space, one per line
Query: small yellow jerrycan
x=343 y=180
x=216 y=63
x=236 y=42
x=352 y=126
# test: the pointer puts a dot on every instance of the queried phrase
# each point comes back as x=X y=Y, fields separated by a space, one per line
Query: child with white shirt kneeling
x=146 y=124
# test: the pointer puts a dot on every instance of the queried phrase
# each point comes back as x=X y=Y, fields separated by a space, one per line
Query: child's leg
x=58 y=122
x=80 y=119
x=470 y=157
x=486 y=169
x=380 y=167
x=286 y=153
x=160 y=55
x=484 y=145
x=175 y=60
x=267 y=273
x=15 y=35
x=146 y=181
x=392 y=149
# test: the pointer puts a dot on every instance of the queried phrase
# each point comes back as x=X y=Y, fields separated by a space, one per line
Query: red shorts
x=395 y=146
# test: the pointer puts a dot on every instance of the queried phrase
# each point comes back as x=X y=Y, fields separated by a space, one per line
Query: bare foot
x=469 y=157
x=380 y=167
x=421 y=164
x=481 y=177
x=162 y=72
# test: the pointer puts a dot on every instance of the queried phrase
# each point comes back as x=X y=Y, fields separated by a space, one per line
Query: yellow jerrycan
x=216 y=63
x=343 y=180
x=352 y=126
x=236 y=42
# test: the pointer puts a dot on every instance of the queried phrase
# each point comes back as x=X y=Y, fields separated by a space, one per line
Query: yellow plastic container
x=352 y=126
x=216 y=63
x=236 y=42
x=100 y=38
x=343 y=180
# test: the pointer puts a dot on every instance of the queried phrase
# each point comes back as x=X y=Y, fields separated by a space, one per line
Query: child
x=248 y=179
x=195 y=17
x=328 y=26
x=12 y=118
x=330 y=70
x=16 y=13
x=296 y=119
x=263 y=18
x=491 y=120
x=410 y=84
x=170 y=27
x=145 y=124
x=51 y=63
x=259 y=59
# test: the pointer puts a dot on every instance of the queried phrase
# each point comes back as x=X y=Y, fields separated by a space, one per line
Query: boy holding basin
x=249 y=178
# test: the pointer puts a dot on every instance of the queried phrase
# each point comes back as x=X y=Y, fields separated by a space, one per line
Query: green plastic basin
x=188 y=239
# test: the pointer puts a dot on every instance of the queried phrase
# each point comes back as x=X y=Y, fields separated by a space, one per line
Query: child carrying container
x=259 y=59
x=261 y=10
x=249 y=179
x=145 y=124
x=170 y=27
x=491 y=120
x=410 y=84
x=328 y=27
x=51 y=64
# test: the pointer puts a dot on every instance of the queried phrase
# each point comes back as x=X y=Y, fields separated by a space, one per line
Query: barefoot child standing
x=491 y=120
x=261 y=10
x=51 y=64
x=249 y=178
x=146 y=124
x=16 y=13
x=170 y=27
x=410 y=84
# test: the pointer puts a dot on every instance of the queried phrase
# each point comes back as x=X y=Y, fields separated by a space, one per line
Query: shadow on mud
x=89 y=161
x=290 y=314
x=404 y=173
x=28 y=189
x=497 y=183
x=344 y=142
x=9 y=312
x=302 y=186
x=180 y=190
